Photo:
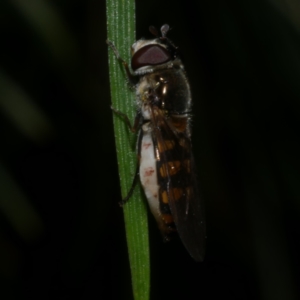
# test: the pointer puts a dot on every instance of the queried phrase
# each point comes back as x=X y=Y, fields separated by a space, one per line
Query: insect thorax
x=168 y=89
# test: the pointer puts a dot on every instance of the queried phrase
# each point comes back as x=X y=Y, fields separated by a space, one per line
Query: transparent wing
x=177 y=180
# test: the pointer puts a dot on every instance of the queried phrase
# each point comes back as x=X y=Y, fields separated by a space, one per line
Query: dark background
x=61 y=229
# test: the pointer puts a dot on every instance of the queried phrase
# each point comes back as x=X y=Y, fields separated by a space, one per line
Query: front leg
x=132 y=79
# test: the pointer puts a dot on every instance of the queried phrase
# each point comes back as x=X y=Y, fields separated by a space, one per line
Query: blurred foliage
x=61 y=230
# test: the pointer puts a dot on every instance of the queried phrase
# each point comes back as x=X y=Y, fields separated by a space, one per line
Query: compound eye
x=150 y=55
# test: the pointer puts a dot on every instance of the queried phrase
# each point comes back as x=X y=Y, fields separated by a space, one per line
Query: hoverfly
x=166 y=163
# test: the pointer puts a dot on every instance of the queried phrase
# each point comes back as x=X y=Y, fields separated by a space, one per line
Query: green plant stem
x=121 y=31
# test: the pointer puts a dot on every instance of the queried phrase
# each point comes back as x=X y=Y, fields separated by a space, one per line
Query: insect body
x=166 y=168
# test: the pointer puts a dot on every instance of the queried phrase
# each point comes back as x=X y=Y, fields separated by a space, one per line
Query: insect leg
x=134 y=182
x=137 y=121
x=135 y=179
x=131 y=78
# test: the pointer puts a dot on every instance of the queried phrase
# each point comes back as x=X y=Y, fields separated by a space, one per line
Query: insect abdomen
x=149 y=179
